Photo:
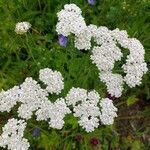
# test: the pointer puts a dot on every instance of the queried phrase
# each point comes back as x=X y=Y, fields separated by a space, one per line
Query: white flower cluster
x=22 y=27
x=114 y=83
x=53 y=80
x=70 y=21
x=107 y=52
x=85 y=106
x=108 y=111
x=8 y=99
x=135 y=66
x=12 y=136
x=31 y=96
x=53 y=111
x=35 y=99
x=105 y=55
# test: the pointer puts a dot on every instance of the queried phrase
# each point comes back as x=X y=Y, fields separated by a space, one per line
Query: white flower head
x=53 y=80
x=114 y=83
x=108 y=111
x=53 y=111
x=22 y=27
x=9 y=98
x=31 y=96
x=85 y=107
x=70 y=20
x=76 y=95
x=12 y=136
x=58 y=113
x=89 y=123
x=83 y=40
x=105 y=56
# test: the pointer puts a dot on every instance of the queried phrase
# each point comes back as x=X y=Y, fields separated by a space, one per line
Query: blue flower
x=36 y=132
x=63 y=40
x=91 y=2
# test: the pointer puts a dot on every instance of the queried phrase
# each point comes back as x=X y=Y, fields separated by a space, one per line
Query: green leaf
x=137 y=145
x=131 y=100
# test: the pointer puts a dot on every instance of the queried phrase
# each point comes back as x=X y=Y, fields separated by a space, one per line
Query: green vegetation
x=22 y=56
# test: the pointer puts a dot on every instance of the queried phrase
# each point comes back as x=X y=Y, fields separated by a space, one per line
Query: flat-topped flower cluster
x=87 y=106
x=106 y=52
x=90 y=108
x=12 y=136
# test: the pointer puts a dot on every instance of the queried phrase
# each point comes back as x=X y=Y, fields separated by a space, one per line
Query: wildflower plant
x=91 y=107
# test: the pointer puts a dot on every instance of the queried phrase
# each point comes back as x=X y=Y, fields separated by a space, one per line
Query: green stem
x=30 y=51
x=118 y=104
x=35 y=31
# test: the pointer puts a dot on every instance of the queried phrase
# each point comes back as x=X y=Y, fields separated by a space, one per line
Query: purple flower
x=36 y=132
x=91 y=2
x=63 y=40
x=94 y=141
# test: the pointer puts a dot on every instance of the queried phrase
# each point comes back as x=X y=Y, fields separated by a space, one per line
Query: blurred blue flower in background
x=91 y=2
x=36 y=132
x=63 y=40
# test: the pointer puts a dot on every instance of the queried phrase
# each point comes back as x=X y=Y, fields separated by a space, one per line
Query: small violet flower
x=91 y=2
x=63 y=40
x=36 y=132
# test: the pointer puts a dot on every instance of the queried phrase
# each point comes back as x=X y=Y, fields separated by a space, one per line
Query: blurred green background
x=22 y=56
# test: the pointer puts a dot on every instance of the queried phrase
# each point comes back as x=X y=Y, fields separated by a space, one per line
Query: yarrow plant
x=22 y=27
x=106 y=52
x=12 y=136
x=90 y=109
x=86 y=106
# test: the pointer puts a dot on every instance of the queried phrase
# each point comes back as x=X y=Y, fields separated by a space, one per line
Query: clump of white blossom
x=70 y=20
x=8 y=99
x=108 y=111
x=12 y=136
x=105 y=56
x=53 y=80
x=106 y=52
x=22 y=27
x=54 y=113
x=31 y=96
x=32 y=99
x=135 y=66
x=114 y=83
x=85 y=107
